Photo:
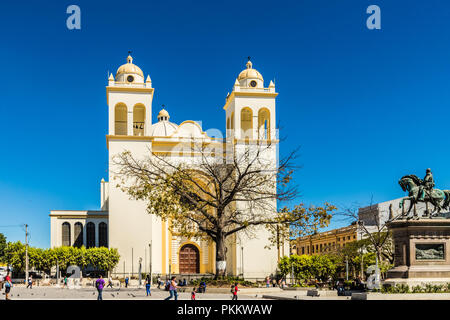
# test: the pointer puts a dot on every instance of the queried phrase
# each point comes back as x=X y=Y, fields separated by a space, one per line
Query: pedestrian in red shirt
x=8 y=285
x=193 y=294
x=234 y=290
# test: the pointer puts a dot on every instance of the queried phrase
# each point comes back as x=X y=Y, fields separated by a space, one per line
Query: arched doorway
x=189 y=259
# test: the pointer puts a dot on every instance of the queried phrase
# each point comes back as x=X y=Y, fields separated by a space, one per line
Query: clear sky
x=365 y=106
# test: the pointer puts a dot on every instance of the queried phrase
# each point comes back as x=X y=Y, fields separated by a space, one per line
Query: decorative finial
x=249 y=63
x=129 y=58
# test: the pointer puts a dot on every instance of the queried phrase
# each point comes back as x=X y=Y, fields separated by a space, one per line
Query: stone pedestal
x=422 y=251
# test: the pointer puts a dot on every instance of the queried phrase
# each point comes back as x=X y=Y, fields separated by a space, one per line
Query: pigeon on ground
x=113 y=295
x=133 y=295
x=93 y=293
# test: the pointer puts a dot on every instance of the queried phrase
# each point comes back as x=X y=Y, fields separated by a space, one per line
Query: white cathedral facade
x=144 y=241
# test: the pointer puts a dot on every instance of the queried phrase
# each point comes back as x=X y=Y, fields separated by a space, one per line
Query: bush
x=224 y=282
x=427 y=288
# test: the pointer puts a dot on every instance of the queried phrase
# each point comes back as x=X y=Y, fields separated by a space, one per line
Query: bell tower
x=129 y=101
x=250 y=107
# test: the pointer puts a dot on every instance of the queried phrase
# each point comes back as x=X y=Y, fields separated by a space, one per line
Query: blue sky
x=365 y=106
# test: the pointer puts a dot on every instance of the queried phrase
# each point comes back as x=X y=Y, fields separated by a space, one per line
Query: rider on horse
x=428 y=185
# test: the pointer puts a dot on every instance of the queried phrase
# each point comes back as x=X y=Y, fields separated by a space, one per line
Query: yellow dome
x=163 y=114
x=250 y=73
x=129 y=67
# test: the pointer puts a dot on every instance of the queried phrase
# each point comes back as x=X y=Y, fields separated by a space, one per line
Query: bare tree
x=373 y=228
x=219 y=192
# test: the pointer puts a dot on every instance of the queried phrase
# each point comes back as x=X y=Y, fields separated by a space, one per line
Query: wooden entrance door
x=189 y=259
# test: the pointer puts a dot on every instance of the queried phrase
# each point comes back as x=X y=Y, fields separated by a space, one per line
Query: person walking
x=147 y=286
x=110 y=284
x=30 y=282
x=8 y=286
x=126 y=281
x=234 y=290
x=99 y=284
x=267 y=282
x=159 y=282
x=173 y=289
x=65 y=282
x=193 y=294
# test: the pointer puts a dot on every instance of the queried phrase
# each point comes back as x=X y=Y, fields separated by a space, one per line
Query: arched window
x=102 y=235
x=264 y=124
x=120 y=118
x=78 y=233
x=247 y=123
x=138 y=120
x=66 y=234
x=90 y=235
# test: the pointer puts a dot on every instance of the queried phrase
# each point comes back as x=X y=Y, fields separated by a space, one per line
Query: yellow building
x=324 y=242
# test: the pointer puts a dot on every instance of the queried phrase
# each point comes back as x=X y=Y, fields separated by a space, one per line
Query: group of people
x=280 y=283
x=6 y=282
x=100 y=285
x=171 y=286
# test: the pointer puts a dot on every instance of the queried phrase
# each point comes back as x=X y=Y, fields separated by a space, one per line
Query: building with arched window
x=123 y=223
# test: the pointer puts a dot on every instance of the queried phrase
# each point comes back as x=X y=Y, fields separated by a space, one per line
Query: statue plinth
x=422 y=251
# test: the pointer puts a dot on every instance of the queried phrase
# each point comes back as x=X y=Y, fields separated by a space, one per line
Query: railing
x=129 y=84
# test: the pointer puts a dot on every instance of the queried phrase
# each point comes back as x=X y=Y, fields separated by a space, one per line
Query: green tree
x=301 y=266
x=103 y=258
x=284 y=265
x=322 y=267
x=2 y=247
x=15 y=255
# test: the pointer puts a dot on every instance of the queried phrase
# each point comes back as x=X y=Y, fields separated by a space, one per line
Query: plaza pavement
x=54 y=293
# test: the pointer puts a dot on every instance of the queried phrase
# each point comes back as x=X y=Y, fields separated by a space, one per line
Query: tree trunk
x=221 y=262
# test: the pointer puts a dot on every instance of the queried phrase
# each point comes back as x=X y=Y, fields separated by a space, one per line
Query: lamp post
x=150 y=258
x=346 y=268
x=26 y=253
x=140 y=271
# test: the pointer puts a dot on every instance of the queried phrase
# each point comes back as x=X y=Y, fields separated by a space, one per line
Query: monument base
x=422 y=251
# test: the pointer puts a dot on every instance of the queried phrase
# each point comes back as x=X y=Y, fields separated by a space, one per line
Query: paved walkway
x=53 y=293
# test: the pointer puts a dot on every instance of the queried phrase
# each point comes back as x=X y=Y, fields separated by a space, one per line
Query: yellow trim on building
x=244 y=94
x=81 y=217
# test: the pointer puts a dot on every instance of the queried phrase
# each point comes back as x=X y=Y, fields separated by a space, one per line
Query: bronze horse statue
x=440 y=199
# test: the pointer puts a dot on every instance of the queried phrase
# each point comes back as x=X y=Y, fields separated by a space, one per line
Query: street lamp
x=150 y=261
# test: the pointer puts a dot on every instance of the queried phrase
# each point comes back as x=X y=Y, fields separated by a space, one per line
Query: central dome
x=129 y=68
x=163 y=128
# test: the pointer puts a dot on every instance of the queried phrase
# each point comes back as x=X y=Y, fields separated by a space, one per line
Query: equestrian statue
x=423 y=191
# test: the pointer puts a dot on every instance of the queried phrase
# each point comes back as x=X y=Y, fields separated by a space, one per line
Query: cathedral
x=143 y=240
